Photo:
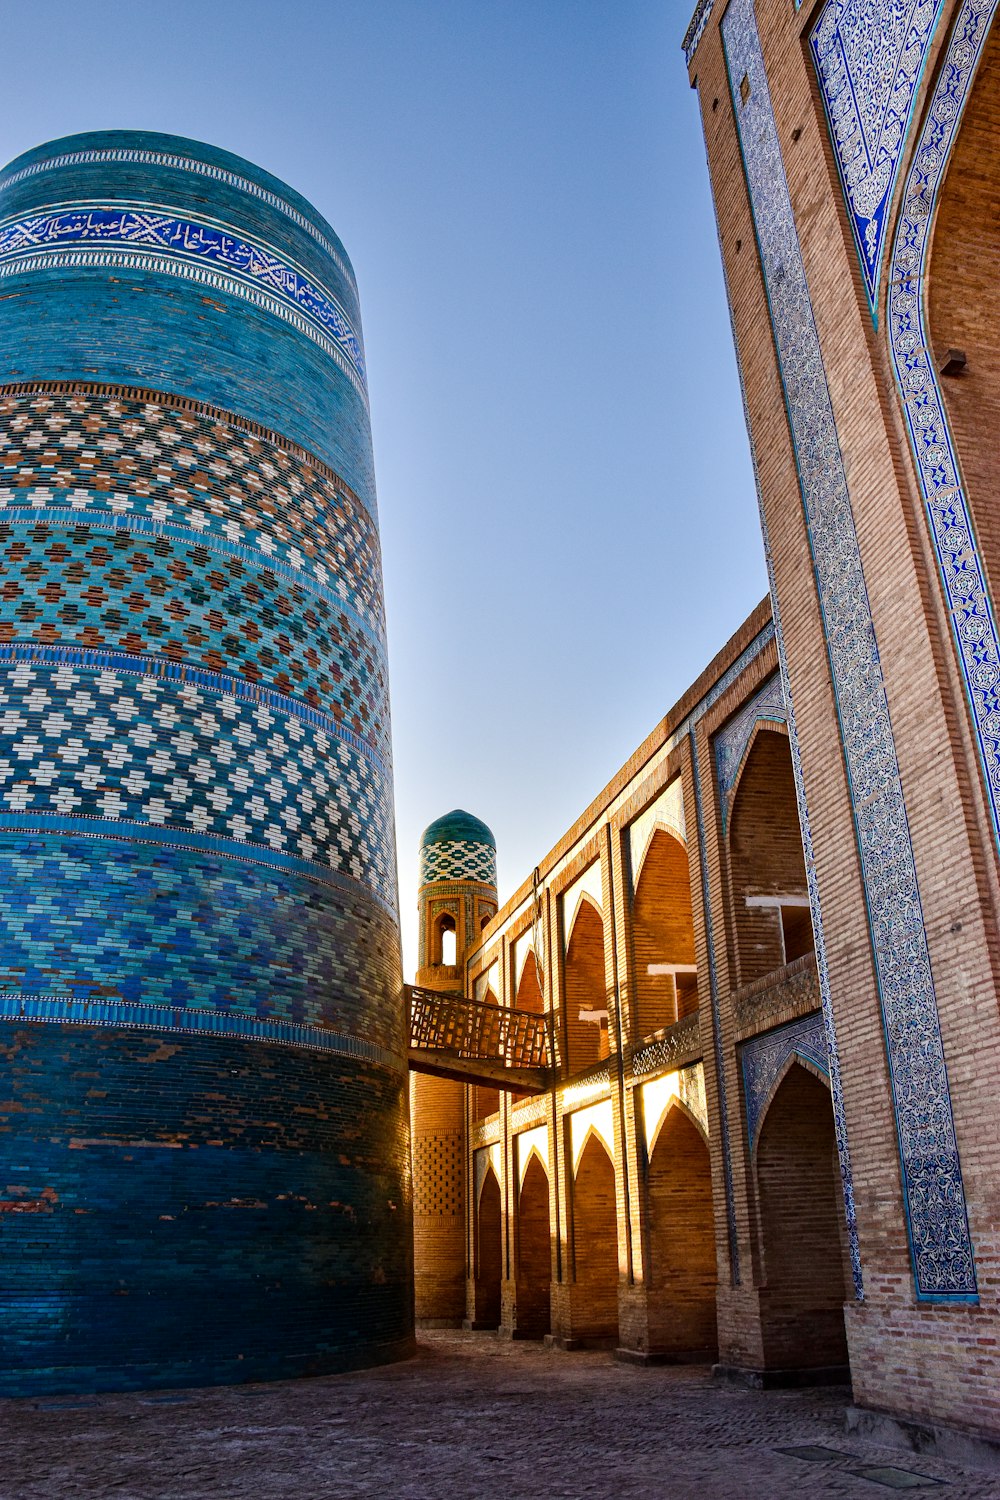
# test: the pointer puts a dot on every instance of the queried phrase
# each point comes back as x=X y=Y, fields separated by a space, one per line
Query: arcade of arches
x=599 y=1213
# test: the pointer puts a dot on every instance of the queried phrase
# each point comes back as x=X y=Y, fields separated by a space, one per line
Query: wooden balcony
x=452 y=1037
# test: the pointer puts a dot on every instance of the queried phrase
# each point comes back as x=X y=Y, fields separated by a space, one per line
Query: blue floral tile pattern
x=869 y=56
x=766 y=706
x=972 y=611
x=763 y=1060
x=933 y=1192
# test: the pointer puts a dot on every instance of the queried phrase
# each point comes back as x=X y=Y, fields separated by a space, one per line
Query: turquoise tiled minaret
x=200 y=1016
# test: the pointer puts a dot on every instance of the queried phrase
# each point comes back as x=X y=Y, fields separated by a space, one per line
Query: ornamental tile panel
x=933 y=1191
x=764 y=1058
x=949 y=517
x=869 y=57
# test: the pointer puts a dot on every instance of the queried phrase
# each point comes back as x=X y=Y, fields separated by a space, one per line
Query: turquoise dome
x=458 y=847
x=457 y=825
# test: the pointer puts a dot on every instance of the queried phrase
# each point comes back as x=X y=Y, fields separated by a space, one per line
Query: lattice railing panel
x=504 y=1043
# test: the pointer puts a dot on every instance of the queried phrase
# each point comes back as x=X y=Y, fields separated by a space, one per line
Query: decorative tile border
x=812 y=883
x=971 y=610
x=933 y=1190
x=160 y=240
x=731 y=743
x=764 y=1057
x=696 y=30
x=65 y=1008
x=869 y=58
x=186 y=164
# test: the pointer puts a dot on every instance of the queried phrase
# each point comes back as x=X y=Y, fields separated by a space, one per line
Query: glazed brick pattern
x=82 y=740
x=181 y=1214
x=125 y=326
x=120 y=920
x=166 y=466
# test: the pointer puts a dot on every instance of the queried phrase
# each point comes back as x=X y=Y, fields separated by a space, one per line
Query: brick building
x=768 y=950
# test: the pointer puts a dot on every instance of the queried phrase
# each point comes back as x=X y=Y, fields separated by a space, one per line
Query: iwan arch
x=767 y=952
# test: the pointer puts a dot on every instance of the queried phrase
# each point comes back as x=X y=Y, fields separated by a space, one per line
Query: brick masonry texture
x=847 y=398
x=199 y=973
x=201 y=1209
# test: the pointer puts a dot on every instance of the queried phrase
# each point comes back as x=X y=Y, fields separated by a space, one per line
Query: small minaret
x=456 y=899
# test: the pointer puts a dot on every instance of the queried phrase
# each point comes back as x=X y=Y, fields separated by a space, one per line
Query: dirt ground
x=470 y=1416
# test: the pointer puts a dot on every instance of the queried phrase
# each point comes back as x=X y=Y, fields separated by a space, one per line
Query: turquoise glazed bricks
x=201 y=1031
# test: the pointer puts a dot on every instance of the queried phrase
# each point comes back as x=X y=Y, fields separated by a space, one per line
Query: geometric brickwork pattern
x=155 y=529
x=763 y=1060
x=970 y=608
x=438 y=1164
x=458 y=859
x=943 y=1265
x=239 y=948
x=869 y=57
x=768 y=707
x=133 y=238
x=82 y=743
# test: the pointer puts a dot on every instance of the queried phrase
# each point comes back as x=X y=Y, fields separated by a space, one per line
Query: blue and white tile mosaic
x=161 y=240
x=732 y=741
x=458 y=859
x=696 y=29
x=971 y=610
x=184 y=163
x=763 y=1061
x=934 y=1198
x=81 y=742
x=869 y=57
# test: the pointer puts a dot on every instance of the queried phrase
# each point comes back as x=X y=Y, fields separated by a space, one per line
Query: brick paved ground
x=469 y=1417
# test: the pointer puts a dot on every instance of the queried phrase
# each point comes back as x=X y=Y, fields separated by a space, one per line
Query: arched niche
x=767 y=870
x=585 y=990
x=665 y=984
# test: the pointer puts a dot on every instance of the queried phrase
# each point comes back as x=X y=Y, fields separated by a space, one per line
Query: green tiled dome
x=458 y=847
x=457 y=825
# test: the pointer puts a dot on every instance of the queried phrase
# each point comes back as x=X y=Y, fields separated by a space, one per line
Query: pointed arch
x=529 y=989
x=767 y=873
x=803 y=1258
x=584 y=990
x=534 y=1250
x=761 y=726
x=673 y=1103
x=680 y=1241
x=665 y=986
x=795 y=1059
x=595 y=1242
x=582 y=898
x=660 y=825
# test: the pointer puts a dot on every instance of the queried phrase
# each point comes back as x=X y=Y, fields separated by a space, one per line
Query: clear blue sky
x=567 y=512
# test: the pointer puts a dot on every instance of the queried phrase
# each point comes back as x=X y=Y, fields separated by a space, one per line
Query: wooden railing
x=453 y=1037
